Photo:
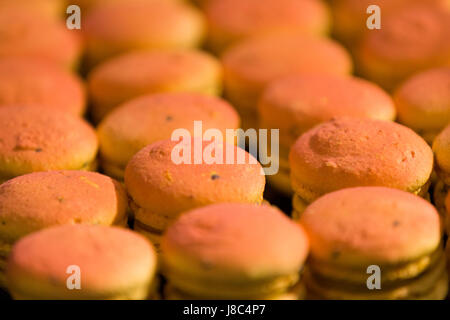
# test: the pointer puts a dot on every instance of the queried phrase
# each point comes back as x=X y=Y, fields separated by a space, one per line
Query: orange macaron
x=414 y=39
x=441 y=147
x=34 y=139
x=82 y=262
x=148 y=119
x=29 y=81
x=40 y=200
x=32 y=35
x=423 y=102
x=169 y=177
x=295 y=104
x=232 y=20
x=349 y=152
x=233 y=251
x=115 y=27
x=252 y=64
x=143 y=72
x=354 y=231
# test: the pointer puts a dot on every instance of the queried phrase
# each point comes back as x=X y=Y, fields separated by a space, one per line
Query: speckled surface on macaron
x=349 y=152
x=141 y=24
x=34 y=139
x=352 y=229
x=136 y=73
x=253 y=63
x=30 y=35
x=148 y=119
x=233 y=251
x=423 y=102
x=30 y=81
x=114 y=263
x=232 y=20
x=413 y=40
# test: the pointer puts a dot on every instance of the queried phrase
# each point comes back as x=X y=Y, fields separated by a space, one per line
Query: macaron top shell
x=30 y=35
x=34 y=139
x=136 y=73
x=112 y=260
x=262 y=59
x=152 y=118
x=235 y=241
x=243 y=18
x=369 y=225
x=349 y=152
x=42 y=199
x=298 y=103
x=35 y=82
x=154 y=24
x=159 y=185
x=441 y=148
x=423 y=101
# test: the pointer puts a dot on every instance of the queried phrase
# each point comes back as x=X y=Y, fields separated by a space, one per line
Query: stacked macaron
x=252 y=64
x=29 y=81
x=295 y=104
x=40 y=139
x=349 y=152
x=423 y=102
x=116 y=27
x=232 y=20
x=374 y=243
x=43 y=199
x=136 y=73
x=27 y=34
x=414 y=39
x=170 y=177
x=82 y=262
x=233 y=251
x=148 y=119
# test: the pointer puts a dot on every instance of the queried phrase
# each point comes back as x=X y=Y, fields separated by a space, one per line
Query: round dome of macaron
x=151 y=118
x=159 y=183
x=416 y=38
x=42 y=199
x=349 y=152
x=112 y=263
x=371 y=225
x=116 y=27
x=423 y=101
x=231 y=20
x=295 y=104
x=34 y=139
x=137 y=73
x=29 y=35
x=233 y=245
x=28 y=81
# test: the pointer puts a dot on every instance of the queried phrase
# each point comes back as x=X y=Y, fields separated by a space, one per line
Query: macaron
x=423 y=102
x=82 y=262
x=416 y=38
x=252 y=64
x=34 y=139
x=233 y=251
x=116 y=27
x=295 y=104
x=441 y=145
x=48 y=8
x=40 y=200
x=357 y=230
x=27 y=34
x=151 y=118
x=350 y=152
x=161 y=186
x=137 y=73
x=232 y=20
x=28 y=81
